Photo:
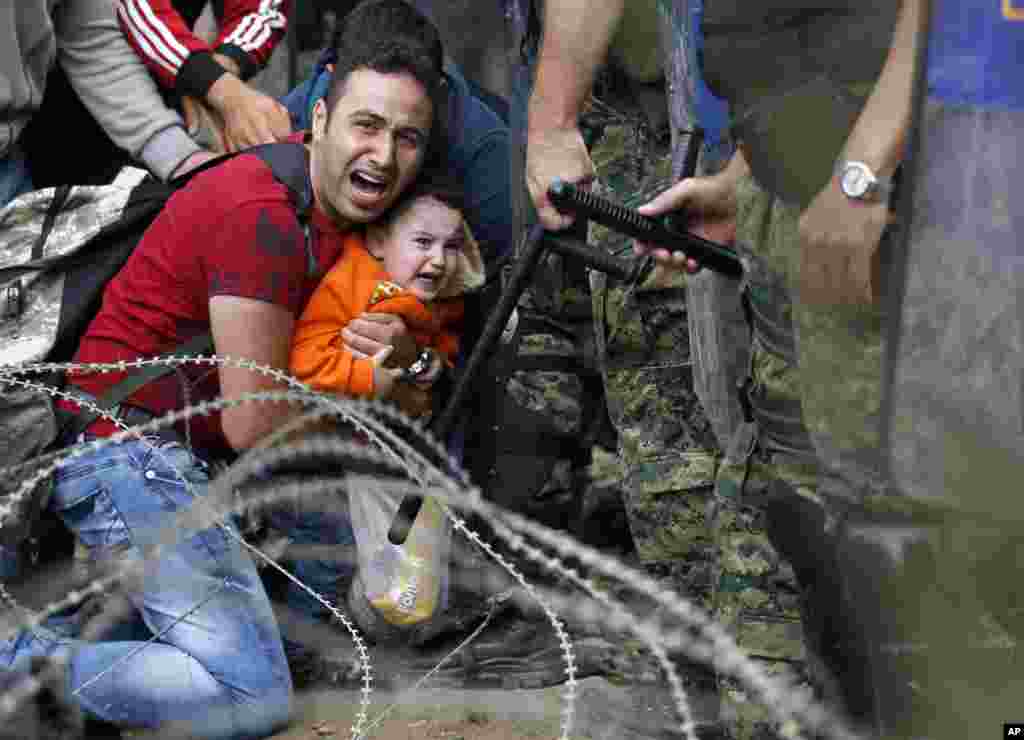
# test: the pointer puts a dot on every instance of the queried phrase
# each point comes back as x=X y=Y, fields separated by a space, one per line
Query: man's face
x=372 y=146
x=420 y=247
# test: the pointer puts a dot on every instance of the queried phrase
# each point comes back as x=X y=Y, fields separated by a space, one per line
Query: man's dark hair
x=388 y=36
x=435 y=182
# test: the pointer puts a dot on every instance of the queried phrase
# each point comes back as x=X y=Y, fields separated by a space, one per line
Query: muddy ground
x=447 y=714
x=603 y=711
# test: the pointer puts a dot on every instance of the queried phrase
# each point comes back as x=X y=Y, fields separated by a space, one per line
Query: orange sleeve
x=318 y=357
x=447 y=344
x=448 y=339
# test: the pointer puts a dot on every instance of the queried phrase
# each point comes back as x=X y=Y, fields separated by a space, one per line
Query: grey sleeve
x=116 y=87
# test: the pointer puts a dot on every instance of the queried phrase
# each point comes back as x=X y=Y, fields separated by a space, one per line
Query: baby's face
x=422 y=247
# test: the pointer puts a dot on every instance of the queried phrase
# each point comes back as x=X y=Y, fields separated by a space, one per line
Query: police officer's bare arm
x=839 y=236
x=577 y=34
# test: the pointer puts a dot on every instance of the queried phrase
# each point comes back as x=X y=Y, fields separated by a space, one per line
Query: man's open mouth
x=368 y=185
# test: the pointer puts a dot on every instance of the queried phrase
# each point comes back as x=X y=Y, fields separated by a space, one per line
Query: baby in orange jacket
x=417 y=263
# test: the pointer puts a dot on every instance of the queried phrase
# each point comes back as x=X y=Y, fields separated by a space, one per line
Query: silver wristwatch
x=420 y=367
x=859 y=182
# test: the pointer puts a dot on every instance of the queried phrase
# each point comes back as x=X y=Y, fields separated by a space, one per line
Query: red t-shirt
x=231 y=231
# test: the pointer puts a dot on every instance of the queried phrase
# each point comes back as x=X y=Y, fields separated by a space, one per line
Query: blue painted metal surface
x=712 y=112
x=958 y=376
x=976 y=55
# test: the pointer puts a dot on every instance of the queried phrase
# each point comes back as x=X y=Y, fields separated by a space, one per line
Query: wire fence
x=402 y=452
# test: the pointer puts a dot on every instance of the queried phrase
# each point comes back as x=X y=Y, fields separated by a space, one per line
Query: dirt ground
x=471 y=728
x=434 y=715
x=603 y=711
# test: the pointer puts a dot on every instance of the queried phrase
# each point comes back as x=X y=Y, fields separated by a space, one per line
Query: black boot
x=837 y=662
x=50 y=714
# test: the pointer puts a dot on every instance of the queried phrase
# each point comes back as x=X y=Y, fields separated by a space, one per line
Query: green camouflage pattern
x=835 y=370
x=556 y=395
x=667 y=451
x=798 y=353
x=553 y=330
x=669 y=462
x=637 y=45
x=755 y=595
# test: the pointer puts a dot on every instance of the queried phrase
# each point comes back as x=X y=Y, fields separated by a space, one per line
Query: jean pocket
x=178 y=481
x=95 y=519
x=174 y=474
x=79 y=468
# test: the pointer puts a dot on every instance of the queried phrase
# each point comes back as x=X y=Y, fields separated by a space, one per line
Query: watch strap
x=881 y=188
x=420 y=366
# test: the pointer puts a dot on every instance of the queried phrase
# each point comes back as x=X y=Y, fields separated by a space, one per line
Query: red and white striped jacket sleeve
x=180 y=60
x=254 y=28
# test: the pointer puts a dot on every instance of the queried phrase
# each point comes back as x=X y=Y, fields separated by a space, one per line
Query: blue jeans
x=222 y=667
x=14 y=176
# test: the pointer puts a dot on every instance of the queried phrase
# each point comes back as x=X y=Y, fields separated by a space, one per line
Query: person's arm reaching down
x=249 y=32
x=183 y=62
x=249 y=116
x=577 y=34
x=117 y=88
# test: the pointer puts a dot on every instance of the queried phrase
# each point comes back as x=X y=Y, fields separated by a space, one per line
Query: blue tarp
x=712 y=112
x=957 y=394
x=977 y=53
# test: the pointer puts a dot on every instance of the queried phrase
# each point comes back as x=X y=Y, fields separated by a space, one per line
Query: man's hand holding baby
x=372 y=333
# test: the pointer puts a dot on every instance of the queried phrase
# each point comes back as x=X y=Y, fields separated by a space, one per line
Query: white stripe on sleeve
x=240 y=29
x=159 y=29
x=169 y=63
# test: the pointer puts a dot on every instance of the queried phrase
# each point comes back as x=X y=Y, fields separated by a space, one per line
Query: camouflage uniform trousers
x=830 y=371
x=825 y=363
x=552 y=397
x=669 y=460
x=814 y=390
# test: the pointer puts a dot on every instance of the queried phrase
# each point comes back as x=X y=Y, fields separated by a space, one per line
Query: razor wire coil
x=717 y=646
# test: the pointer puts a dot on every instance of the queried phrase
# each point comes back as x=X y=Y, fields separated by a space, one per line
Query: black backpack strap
x=37 y=261
x=60 y=197
x=179 y=181
x=534 y=33
x=78 y=423
x=289 y=163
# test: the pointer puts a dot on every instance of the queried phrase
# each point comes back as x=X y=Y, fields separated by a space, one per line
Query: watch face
x=422 y=363
x=855 y=180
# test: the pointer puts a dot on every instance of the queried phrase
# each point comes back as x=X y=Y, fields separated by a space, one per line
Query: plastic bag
x=405 y=584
